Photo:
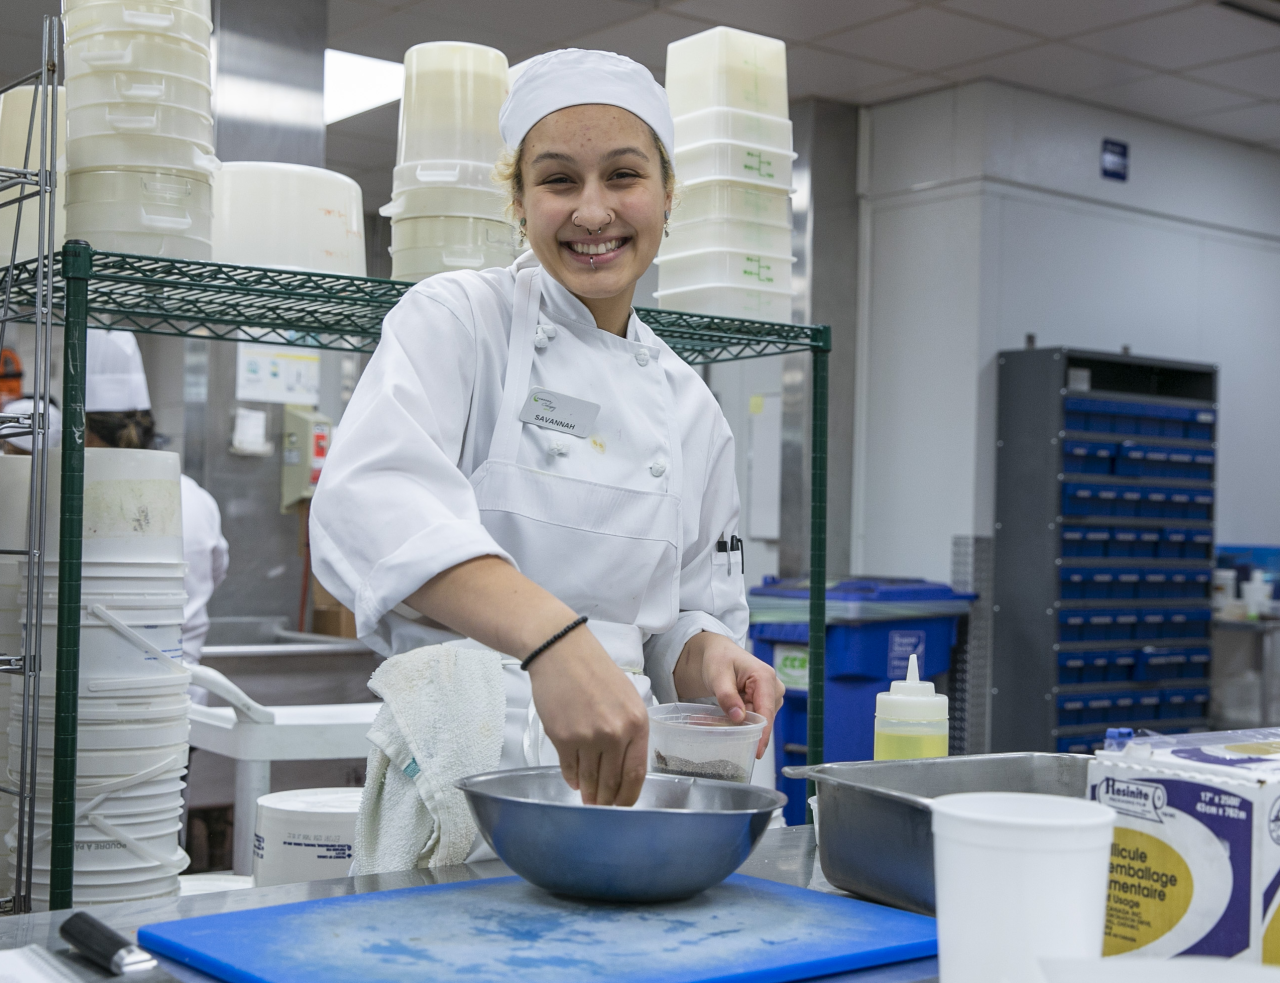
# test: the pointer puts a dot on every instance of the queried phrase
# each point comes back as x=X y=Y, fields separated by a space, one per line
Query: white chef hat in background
x=575 y=77
x=115 y=380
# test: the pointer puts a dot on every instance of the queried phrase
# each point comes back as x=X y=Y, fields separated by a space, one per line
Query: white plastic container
x=731 y=160
x=723 y=123
x=140 y=187
x=133 y=17
x=727 y=67
x=702 y=742
x=422 y=247
x=91 y=219
x=729 y=200
x=147 y=119
x=304 y=835
x=452 y=93
x=729 y=301
x=15 y=117
x=453 y=174
x=201 y=8
x=727 y=267
x=288 y=216
x=141 y=152
x=143 y=88
x=1019 y=877
x=419 y=202
x=151 y=53
x=911 y=719
x=721 y=233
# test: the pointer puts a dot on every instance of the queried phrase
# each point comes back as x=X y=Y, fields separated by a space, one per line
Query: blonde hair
x=506 y=173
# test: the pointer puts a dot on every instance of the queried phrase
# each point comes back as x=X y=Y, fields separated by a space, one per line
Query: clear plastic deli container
x=425 y=246
x=452 y=93
x=140 y=187
x=727 y=234
x=727 y=301
x=137 y=18
x=730 y=267
x=727 y=160
x=722 y=123
x=141 y=88
x=731 y=200
x=727 y=67
x=702 y=742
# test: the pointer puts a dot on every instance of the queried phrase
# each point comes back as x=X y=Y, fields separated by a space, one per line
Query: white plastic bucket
x=452 y=93
x=155 y=53
x=102 y=766
x=132 y=18
x=15 y=115
x=304 y=835
x=288 y=216
x=448 y=201
x=724 y=123
x=732 y=160
x=727 y=233
x=727 y=300
x=1019 y=877
x=141 y=87
x=731 y=200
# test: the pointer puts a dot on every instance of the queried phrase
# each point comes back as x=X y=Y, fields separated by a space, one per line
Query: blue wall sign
x=1115 y=160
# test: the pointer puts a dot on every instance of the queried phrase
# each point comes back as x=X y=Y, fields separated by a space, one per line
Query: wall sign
x=1115 y=160
x=273 y=374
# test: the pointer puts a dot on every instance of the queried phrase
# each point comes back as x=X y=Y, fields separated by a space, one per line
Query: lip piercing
x=592 y=261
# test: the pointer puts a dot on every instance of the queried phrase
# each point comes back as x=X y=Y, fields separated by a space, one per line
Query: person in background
x=117 y=407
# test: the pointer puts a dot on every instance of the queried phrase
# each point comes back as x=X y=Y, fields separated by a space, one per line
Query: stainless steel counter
x=784 y=855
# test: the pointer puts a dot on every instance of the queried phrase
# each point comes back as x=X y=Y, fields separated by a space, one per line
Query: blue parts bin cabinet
x=1105 y=499
x=874 y=625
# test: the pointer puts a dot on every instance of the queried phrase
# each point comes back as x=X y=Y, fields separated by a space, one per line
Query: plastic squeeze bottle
x=911 y=719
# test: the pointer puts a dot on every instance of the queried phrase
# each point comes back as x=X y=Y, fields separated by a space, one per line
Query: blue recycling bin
x=874 y=626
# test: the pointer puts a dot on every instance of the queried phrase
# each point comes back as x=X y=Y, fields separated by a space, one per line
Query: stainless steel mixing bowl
x=681 y=837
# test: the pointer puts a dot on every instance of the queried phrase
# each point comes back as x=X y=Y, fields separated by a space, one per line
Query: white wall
x=987 y=218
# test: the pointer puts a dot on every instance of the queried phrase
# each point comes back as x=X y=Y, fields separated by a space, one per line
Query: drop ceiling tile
x=645 y=38
x=1059 y=18
x=811 y=72
x=1257 y=124
x=1194 y=36
x=927 y=39
x=1169 y=97
x=1259 y=74
x=794 y=20
x=1052 y=68
x=351 y=15
x=909 y=86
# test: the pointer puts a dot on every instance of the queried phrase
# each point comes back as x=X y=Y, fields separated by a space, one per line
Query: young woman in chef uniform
x=523 y=452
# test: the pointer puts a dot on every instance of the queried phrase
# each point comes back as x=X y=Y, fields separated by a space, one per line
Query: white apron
x=610 y=552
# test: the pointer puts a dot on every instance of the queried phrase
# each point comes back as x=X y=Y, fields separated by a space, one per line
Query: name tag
x=556 y=411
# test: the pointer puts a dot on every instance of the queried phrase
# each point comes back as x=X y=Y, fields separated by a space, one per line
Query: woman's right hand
x=594 y=717
x=589 y=708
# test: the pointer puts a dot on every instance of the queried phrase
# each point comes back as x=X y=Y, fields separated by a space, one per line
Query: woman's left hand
x=712 y=665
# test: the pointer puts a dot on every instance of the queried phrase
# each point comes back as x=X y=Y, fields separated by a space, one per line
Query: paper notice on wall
x=250 y=433
x=274 y=374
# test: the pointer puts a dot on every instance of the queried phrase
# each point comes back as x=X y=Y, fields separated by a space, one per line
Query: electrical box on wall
x=306 y=443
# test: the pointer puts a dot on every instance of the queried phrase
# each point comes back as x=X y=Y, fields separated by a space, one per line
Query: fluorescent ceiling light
x=355 y=84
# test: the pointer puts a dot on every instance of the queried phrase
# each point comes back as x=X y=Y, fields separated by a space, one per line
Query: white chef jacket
x=395 y=505
x=207 y=555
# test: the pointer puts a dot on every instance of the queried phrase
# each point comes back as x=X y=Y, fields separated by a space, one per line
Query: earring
x=522 y=233
x=666 y=225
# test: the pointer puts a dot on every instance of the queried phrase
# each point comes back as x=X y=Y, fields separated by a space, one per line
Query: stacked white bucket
x=140 y=126
x=15 y=478
x=729 y=251
x=15 y=122
x=132 y=738
x=446 y=214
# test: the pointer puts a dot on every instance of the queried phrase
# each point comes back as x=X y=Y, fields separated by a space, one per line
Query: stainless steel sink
x=875 y=834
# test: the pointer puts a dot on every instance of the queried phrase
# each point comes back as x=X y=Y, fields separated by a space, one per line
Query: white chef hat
x=25 y=405
x=115 y=381
x=577 y=77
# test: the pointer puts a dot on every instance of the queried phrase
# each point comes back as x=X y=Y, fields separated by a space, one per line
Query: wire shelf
x=199 y=299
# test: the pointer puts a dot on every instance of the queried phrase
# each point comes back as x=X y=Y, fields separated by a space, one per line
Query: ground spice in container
x=720 y=769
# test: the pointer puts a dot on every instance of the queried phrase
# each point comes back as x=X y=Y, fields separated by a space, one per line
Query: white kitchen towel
x=442 y=718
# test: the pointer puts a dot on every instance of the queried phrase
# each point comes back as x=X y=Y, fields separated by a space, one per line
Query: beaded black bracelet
x=552 y=640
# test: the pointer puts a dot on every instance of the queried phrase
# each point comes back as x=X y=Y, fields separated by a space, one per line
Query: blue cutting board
x=503 y=929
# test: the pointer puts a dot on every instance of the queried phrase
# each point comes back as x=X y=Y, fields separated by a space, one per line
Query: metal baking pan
x=876 y=836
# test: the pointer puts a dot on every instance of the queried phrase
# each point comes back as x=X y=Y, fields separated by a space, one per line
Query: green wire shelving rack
x=187 y=298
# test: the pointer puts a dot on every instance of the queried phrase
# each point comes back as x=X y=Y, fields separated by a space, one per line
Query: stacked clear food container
x=15 y=125
x=140 y=126
x=729 y=251
x=446 y=213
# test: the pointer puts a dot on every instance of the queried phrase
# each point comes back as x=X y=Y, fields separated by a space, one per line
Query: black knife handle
x=93 y=939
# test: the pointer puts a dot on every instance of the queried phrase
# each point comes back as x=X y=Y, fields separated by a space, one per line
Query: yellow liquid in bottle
x=901 y=747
